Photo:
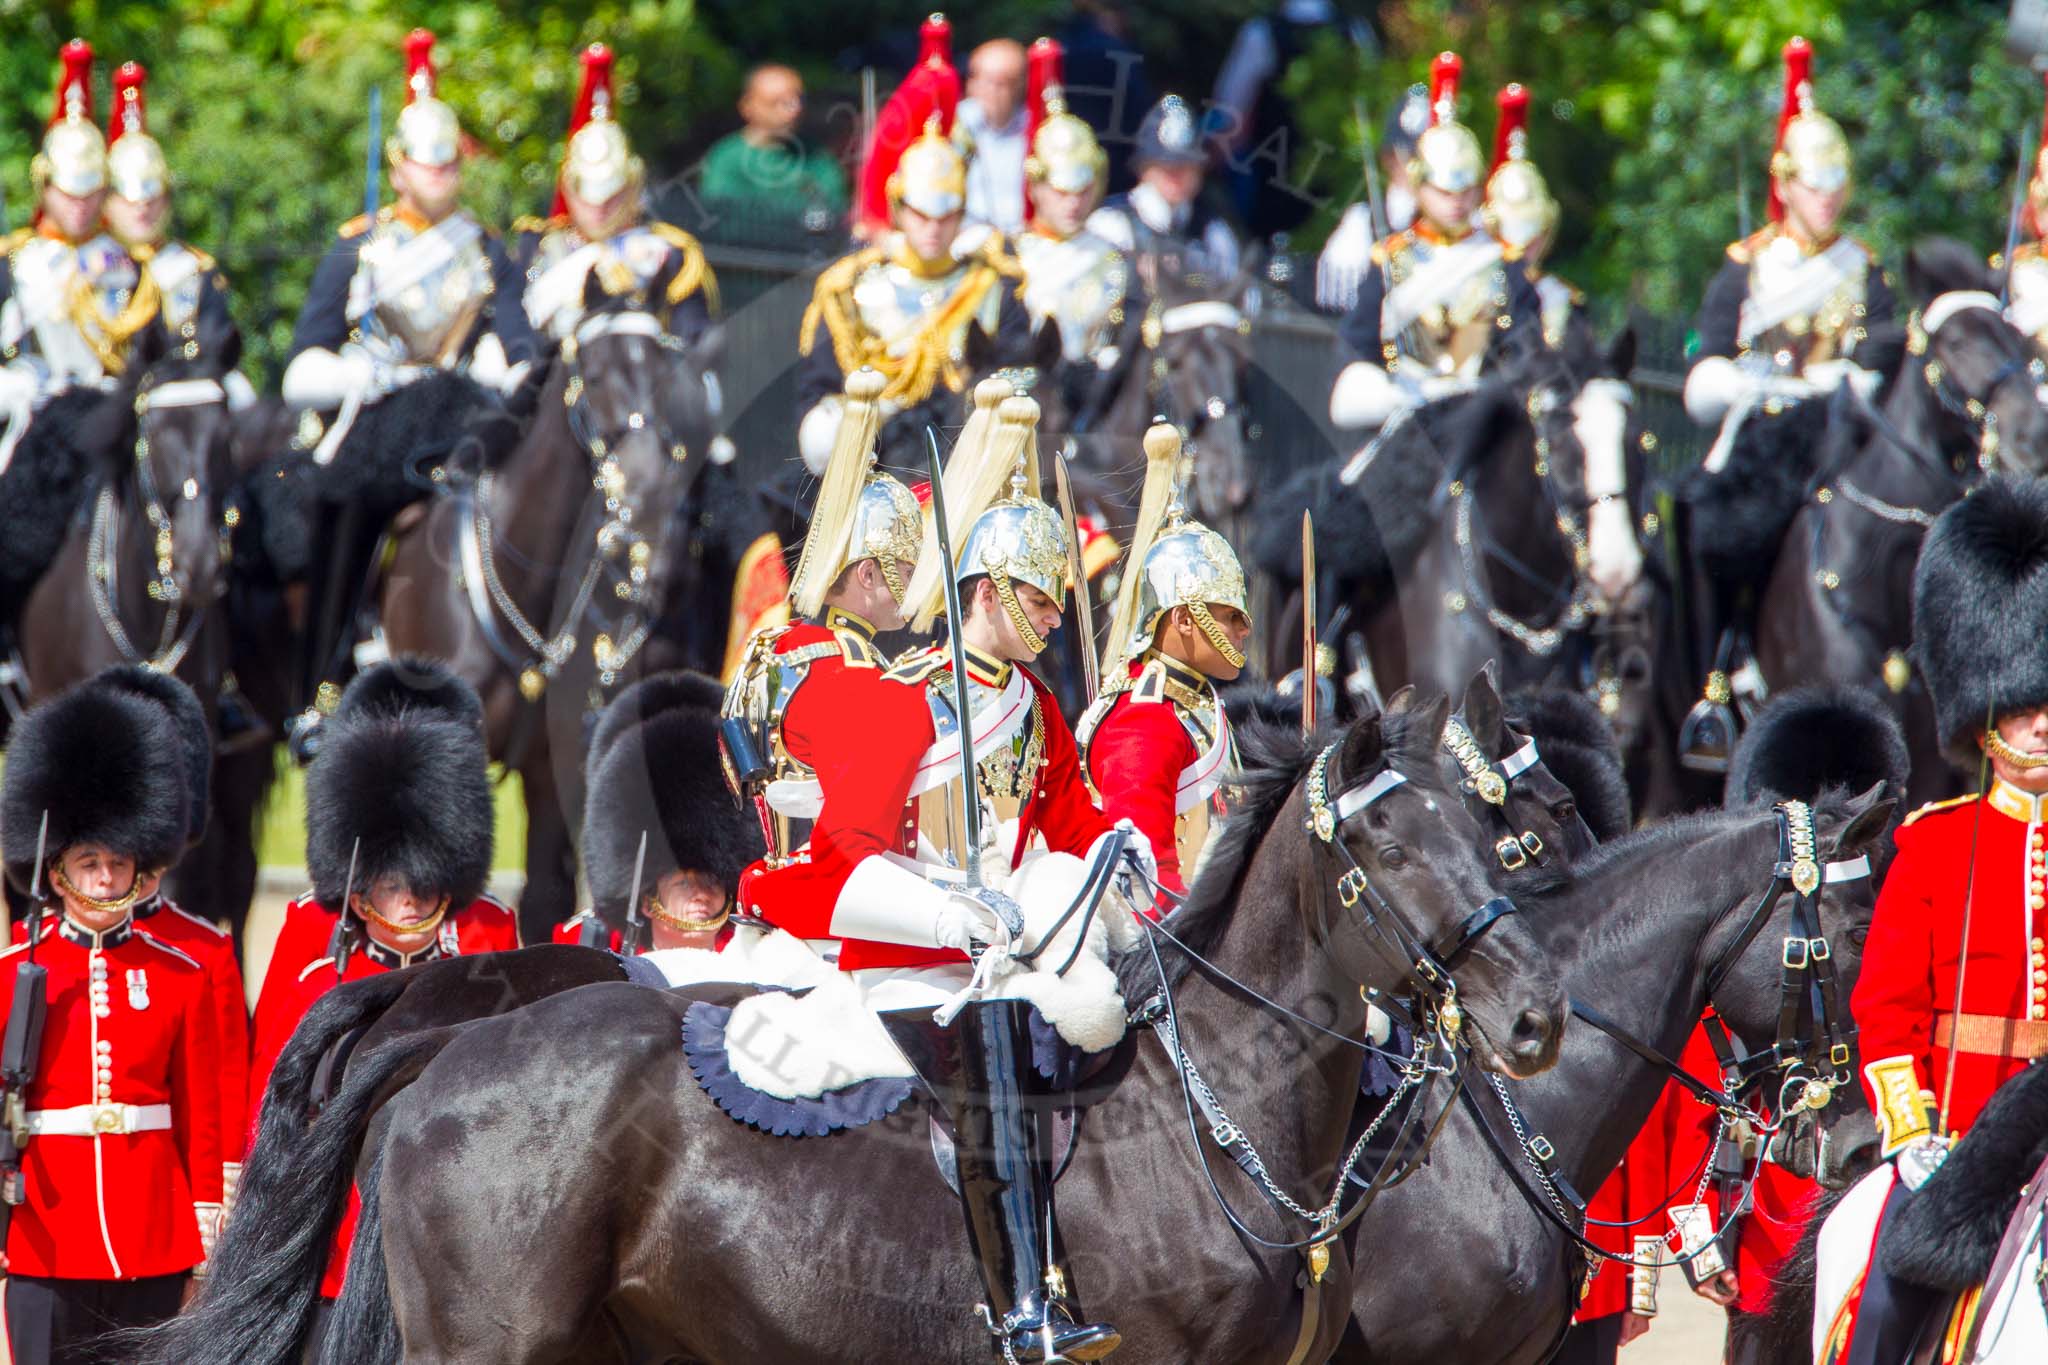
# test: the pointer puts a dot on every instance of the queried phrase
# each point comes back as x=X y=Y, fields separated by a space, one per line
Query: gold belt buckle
x=108 y=1118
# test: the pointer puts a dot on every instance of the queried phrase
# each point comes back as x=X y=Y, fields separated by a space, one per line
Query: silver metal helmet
x=1187 y=565
x=1020 y=539
x=73 y=156
x=887 y=528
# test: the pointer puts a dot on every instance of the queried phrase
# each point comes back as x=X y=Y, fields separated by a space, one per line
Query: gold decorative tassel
x=1162 y=480
x=853 y=452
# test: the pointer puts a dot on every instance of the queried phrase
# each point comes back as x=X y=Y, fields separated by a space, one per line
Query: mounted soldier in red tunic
x=114 y=1182
x=1156 y=744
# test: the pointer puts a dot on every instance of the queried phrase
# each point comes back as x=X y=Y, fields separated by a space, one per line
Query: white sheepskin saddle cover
x=801 y=1046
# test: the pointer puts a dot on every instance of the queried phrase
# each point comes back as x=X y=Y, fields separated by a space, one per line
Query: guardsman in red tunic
x=117 y=1196
x=1156 y=743
x=653 y=773
x=398 y=842
x=1980 y=614
x=200 y=939
x=872 y=878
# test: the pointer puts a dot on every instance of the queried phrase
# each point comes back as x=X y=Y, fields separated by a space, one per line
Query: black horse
x=138 y=569
x=1837 y=603
x=541 y=580
x=1682 y=893
x=1499 y=524
x=1487 y=1275
x=653 y=1227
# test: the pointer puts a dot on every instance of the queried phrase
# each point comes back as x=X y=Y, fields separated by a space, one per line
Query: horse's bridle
x=177 y=631
x=613 y=539
x=1491 y=780
x=1974 y=413
x=1812 y=1034
x=1425 y=965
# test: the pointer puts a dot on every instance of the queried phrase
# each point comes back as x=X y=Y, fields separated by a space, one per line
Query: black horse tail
x=288 y=1098
x=1783 y=1334
x=264 y=1280
x=363 y=1330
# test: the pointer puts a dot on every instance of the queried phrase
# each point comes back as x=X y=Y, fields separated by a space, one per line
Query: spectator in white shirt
x=993 y=114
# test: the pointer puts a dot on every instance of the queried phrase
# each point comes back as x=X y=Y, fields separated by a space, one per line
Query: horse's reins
x=102 y=573
x=1421 y=964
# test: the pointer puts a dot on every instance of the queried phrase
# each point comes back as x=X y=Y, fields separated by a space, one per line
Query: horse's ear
x=1430 y=718
x=1365 y=746
x=1871 y=816
x=152 y=343
x=1482 y=706
x=1621 y=355
x=657 y=288
x=1401 y=701
x=594 y=293
x=1250 y=267
x=1942 y=265
x=1046 y=348
x=707 y=352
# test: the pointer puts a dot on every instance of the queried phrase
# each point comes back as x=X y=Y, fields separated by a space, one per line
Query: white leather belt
x=88 y=1120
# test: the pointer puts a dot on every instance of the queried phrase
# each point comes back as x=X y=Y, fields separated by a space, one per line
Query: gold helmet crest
x=136 y=167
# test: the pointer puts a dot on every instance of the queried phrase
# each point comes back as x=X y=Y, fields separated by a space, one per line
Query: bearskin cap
x=410 y=783
x=412 y=682
x=195 y=733
x=1812 y=739
x=108 y=766
x=654 y=767
x=1980 y=610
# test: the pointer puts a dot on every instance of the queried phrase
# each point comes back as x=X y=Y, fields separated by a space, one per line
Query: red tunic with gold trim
x=1912 y=957
x=213 y=948
x=301 y=971
x=885 y=741
x=125 y=1154
x=1157 y=751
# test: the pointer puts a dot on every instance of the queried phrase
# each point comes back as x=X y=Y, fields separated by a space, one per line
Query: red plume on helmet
x=1798 y=98
x=932 y=87
x=419 y=64
x=74 y=87
x=1443 y=88
x=1045 y=78
x=1511 y=134
x=594 y=100
x=127 y=114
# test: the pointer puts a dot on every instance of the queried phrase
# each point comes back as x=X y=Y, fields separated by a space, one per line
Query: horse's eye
x=1564 y=812
x=1393 y=857
x=1857 y=933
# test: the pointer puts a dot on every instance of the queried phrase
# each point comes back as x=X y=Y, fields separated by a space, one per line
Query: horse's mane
x=1680 y=831
x=1273 y=760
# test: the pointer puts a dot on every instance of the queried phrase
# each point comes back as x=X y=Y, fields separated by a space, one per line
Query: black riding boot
x=1002 y=1121
x=344 y=540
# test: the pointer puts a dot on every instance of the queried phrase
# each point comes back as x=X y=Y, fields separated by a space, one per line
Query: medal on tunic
x=138 y=988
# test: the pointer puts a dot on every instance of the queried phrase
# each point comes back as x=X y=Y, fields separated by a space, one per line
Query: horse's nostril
x=1532 y=1032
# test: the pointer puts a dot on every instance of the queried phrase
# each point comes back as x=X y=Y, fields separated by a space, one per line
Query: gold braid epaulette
x=16 y=240
x=694 y=273
x=916 y=666
x=1936 y=807
x=928 y=362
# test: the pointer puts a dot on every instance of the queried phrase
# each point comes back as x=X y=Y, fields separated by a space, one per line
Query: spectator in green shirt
x=765 y=171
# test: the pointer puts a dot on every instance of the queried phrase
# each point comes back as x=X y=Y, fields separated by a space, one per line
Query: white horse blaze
x=1600 y=421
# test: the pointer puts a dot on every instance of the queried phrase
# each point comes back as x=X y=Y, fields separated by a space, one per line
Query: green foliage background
x=1653 y=117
